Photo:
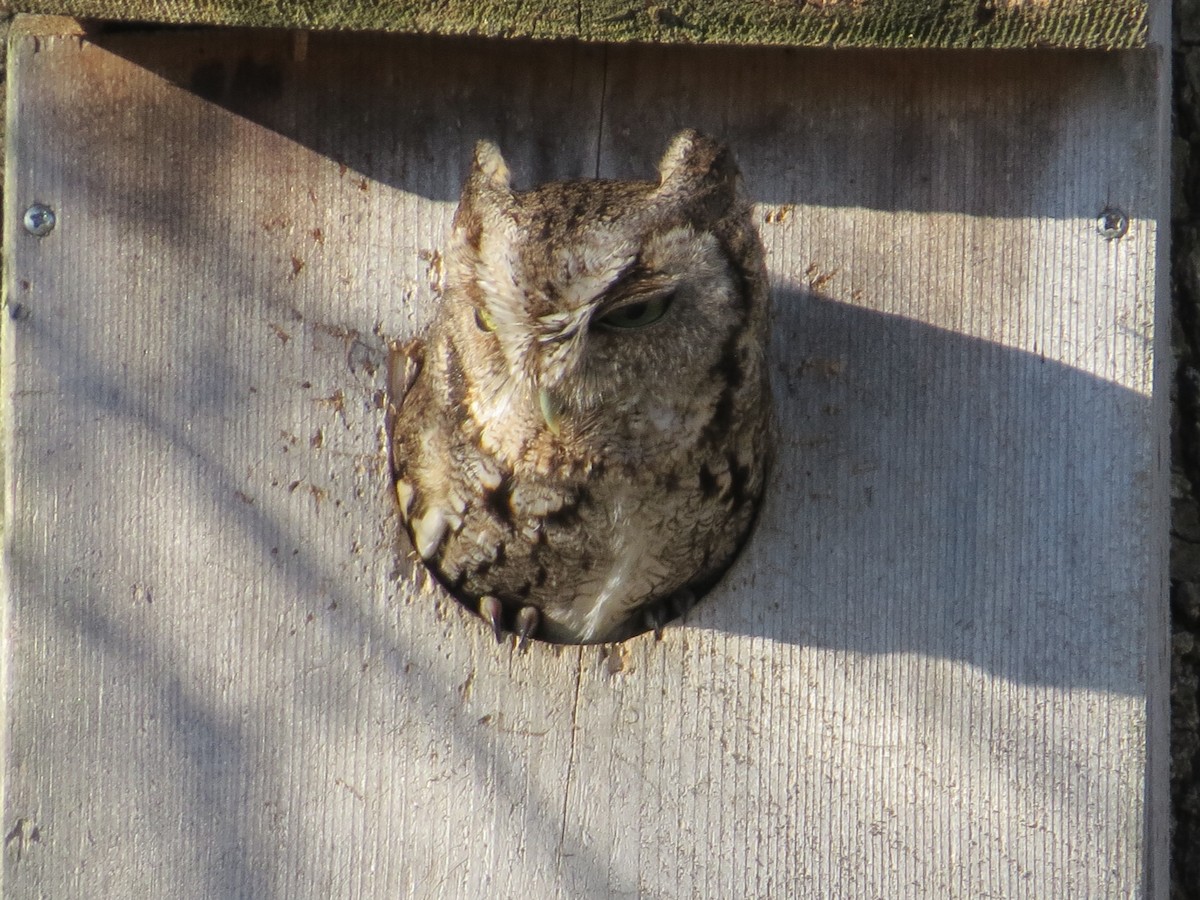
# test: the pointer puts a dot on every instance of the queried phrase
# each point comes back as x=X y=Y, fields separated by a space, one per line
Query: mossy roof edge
x=1096 y=24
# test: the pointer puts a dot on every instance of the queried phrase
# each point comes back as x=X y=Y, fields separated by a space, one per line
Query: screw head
x=39 y=220
x=1112 y=224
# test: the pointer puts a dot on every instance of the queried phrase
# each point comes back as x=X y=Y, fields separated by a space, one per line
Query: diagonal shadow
x=950 y=492
x=1025 y=434
x=925 y=131
x=216 y=747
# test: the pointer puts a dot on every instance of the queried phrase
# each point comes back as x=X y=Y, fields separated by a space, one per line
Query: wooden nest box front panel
x=937 y=667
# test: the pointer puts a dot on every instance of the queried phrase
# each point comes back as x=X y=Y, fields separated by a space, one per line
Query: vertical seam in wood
x=566 y=794
x=562 y=825
x=603 y=96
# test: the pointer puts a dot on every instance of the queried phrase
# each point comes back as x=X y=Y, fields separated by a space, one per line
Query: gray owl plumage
x=580 y=443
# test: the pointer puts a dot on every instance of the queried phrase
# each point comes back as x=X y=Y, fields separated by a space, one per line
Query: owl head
x=604 y=315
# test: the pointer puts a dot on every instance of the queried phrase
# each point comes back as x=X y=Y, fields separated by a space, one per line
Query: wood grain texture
x=927 y=676
x=1095 y=24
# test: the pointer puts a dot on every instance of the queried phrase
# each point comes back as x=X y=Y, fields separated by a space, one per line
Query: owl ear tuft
x=696 y=161
x=485 y=193
x=490 y=167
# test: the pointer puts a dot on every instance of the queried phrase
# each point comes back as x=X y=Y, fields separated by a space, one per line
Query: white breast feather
x=633 y=575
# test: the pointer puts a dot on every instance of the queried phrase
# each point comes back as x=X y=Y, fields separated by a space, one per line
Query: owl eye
x=638 y=315
x=483 y=321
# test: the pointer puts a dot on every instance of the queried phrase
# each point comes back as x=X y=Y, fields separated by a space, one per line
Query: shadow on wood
x=887 y=130
x=930 y=666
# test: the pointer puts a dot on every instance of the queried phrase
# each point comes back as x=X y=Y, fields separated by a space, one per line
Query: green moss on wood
x=1107 y=24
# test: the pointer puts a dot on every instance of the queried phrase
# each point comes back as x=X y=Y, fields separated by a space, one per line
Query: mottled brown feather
x=546 y=461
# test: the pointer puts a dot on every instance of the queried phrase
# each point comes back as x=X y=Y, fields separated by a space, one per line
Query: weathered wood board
x=1096 y=24
x=937 y=670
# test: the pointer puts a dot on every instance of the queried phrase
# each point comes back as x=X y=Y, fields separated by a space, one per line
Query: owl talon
x=493 y=613
x=404 y=365
x=656 y=618
x=676 y=606
x=528 y=619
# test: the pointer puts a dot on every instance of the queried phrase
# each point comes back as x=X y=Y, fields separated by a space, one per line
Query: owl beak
x=551 y=411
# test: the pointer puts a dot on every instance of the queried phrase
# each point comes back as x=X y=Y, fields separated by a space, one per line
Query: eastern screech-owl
x=579 y=445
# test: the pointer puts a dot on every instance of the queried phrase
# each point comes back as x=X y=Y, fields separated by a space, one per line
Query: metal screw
x=39 y=220
x=1112 y=224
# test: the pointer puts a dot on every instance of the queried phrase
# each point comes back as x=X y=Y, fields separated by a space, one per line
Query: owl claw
x=528 y=619
x=492 y=613
x=656 y=618
x=404 y=365
x=676 y=606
